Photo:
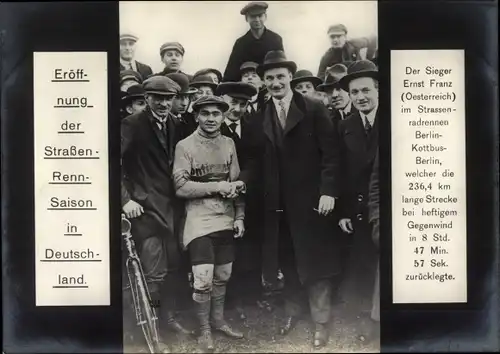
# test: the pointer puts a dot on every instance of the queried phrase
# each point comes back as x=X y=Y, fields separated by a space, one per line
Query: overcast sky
x=208 y=29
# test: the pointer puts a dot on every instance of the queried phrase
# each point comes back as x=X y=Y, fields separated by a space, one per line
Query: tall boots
x=202 y=304
x=217 y=312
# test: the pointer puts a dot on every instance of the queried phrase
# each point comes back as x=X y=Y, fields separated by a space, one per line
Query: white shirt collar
x=347 y=109
x=370 y=116
x=238 y=125
x=159 y=119
x=127 y=63
x=287 y=100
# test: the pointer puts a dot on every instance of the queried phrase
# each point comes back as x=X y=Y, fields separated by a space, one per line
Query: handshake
x=231 y=190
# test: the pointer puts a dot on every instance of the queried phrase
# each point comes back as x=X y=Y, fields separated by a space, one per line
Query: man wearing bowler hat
x=301 y=184
x=133 y=101
x=172 y=56
x=127 y=52
x=242 y=128
x=342 y=49
x=184 y=120
x=148 y=195
x=254 y=45
x=206 y=174
x=339 y=98
x=305 y=83
x=359 y=144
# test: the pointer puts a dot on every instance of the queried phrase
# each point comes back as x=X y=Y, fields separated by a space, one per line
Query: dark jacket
x=297 y=170
x=374 y=201
x=248 y=48
x=357 y=151
x=249 y=151
x=349 y=53
x=147 y=160
x=143 y=69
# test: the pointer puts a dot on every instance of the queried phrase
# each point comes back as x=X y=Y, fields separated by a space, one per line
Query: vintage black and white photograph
x=249 y=154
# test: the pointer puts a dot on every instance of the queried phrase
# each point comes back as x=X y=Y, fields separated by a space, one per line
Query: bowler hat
x=305 y=75
x=207 y=71
x=203 y=80
x=130 y=75
x=210 y=100
x=276 y=59
x=360 y=68
x=172 y=46
x=128 y=36
x=254 y=8
x=183 y=81
x=133 y=92
x=335 y=74
x=337 y=29
x=237 y=90
x=161 y=85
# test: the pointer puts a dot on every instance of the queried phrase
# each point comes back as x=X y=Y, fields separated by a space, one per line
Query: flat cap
x=203 y=80
x=338 y=28
x=248 y=65
x=208 y=71
x=130 y=75
x=183 y=81
x=210 y=100
x=236 y=90
x=161 y=85
x=172 y=46
x=128 y=36
x=254 y=8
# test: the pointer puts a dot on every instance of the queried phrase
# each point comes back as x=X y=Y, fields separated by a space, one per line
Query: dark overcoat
x=249 y=150
x=374 y=201
x=357 y=152
x=299 y=170
x=248 y=48
x=147 y=161
x=143 y=69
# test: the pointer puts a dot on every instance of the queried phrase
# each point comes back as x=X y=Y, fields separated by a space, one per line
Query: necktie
x=368 y=126
x=233 y=127
x=282 y=114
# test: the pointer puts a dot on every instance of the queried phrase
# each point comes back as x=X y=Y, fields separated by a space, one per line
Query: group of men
x=263 y=170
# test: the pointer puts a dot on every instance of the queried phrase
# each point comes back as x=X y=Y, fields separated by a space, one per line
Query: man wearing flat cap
x=172 y=56
x=213 y=73
x=206 y=172
x=129 y=78
x=133 y=102
x=242 y=128
x=359 y=145
x=127 y=52
x=184 y=120
x=344 y=50
x=301 y=184
x=148 y=195
x=248 y=72
x=254 y=45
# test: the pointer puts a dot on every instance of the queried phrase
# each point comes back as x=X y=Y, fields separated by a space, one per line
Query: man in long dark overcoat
x=300 y=181
x=148 y=196
x=358 y=146
x=254 y=44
